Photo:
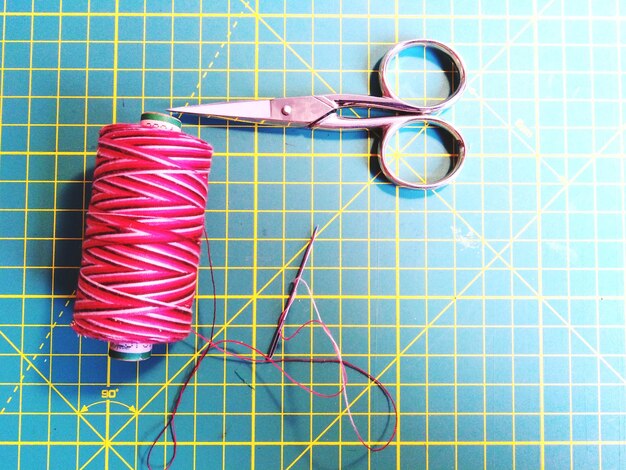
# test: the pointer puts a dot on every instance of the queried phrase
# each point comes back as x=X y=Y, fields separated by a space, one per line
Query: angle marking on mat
x=34 y=357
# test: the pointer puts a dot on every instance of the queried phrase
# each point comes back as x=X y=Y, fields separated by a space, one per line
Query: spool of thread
x=142 y=241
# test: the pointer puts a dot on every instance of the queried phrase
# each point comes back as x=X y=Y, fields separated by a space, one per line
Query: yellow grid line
x=455 y=285
x=369 y=254
x=255 y=242
x=482 y=287
x=511 y=231
x=2 y=68
x=227 y=231
x=83 y=218
x=398 y=372
x=340 y=245
x=196 y=318
x=620 y=95
x=26 y=191
x=427 y=383
x=594 y=197
x=423 y=17
x=312 y=222
x=542 y=425
x=567 y=232
x=283 y=381
x=54 y=231
x=144 y=35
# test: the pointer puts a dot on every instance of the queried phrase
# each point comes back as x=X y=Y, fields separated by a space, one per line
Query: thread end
x=130 y=352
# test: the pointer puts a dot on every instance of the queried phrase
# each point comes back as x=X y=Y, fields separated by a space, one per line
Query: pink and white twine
x=142 y=241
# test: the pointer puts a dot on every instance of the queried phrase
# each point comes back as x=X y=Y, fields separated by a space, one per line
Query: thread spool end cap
x=130 y=352
x=160 y=121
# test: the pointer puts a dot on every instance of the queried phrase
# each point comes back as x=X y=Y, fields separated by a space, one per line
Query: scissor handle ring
x=458 y=159
x=454 y=57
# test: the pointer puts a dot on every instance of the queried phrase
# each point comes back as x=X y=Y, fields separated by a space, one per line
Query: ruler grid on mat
x=493 y=309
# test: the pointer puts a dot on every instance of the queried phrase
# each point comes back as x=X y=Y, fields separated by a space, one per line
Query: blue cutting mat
x=494 y=308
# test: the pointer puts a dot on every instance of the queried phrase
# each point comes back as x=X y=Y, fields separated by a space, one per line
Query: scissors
x=322 y=112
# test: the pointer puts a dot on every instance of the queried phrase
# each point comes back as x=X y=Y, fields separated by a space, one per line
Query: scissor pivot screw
x=286 y=110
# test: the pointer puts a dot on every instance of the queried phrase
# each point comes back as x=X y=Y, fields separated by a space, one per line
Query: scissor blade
x=297 y=111
x=255 y=111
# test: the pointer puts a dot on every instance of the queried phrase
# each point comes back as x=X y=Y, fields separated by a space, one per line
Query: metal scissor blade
x=254 y=111
x=297 y=111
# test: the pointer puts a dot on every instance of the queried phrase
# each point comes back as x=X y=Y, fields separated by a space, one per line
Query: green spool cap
x=130 y=352
x=161 y=121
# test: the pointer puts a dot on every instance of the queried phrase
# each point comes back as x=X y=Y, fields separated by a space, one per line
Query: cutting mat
x=493 y=308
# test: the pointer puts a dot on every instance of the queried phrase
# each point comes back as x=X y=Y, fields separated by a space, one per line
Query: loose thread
x=221 y=346
x=170 y=422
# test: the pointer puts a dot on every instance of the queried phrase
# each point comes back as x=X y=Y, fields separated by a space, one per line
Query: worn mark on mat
x=563 y=250
x=468 y=240
x=523 y=128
